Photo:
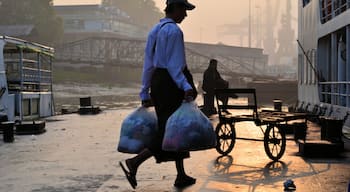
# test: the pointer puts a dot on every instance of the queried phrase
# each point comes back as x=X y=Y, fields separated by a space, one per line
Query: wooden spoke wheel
x=226 y=138
x=274 y=142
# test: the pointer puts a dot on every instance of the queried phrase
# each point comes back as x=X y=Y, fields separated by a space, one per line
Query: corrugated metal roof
x=23 y=44
x=16 y=30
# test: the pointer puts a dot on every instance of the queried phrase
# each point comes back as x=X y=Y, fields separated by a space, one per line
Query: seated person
x=211 y=81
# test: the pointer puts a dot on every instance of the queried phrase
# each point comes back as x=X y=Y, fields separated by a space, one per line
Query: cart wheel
x=226 y=138
x=274 y=142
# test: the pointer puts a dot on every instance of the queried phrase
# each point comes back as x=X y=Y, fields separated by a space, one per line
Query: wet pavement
x=77 y=154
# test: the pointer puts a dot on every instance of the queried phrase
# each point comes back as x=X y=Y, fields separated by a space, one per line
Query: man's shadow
x=226 y=172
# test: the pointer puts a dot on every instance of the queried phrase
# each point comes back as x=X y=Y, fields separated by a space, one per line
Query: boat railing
x=340 y=7
x=32 y=77
x=336 y=92
x=332 y=8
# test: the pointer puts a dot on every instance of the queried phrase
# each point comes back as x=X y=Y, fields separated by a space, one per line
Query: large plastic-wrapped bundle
x=137 y=131
x=188 y=129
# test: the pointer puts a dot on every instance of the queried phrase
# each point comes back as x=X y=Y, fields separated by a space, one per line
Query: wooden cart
x=246 y=109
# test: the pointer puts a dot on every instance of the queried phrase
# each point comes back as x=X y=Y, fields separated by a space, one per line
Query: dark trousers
x=209 y=102
x=167 y=98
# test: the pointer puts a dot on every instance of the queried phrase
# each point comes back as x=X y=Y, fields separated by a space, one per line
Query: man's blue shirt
x=165 y=49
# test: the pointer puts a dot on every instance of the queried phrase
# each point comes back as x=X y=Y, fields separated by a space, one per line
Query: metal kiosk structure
x=25 y=80
x=246 y=103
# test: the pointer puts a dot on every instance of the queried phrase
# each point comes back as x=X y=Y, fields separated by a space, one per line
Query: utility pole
x=250 y=25
x=258 y=27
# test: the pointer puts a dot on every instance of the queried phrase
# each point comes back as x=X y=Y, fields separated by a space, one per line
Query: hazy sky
x=203 y=23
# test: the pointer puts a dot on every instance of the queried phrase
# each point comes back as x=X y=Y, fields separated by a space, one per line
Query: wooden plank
x=238 y=91
x=237 y=106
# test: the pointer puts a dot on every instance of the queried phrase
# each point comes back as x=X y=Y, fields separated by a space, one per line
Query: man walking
x=166 y=82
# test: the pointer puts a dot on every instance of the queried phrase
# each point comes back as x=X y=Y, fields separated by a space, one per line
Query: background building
x=83 y=20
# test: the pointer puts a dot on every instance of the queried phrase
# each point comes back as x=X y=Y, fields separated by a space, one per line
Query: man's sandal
x=131 y=177
x=184 y=182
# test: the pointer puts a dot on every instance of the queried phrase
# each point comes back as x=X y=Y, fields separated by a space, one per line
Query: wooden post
x=348 y=65
x=39 y=71
x=21 y=84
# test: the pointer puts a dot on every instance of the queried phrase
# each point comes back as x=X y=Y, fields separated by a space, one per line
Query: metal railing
x=33 y=77
x=335 y=93
x=332 y=8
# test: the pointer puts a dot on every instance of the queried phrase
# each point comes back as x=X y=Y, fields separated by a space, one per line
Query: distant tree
x=141 y=12
x=40 y=13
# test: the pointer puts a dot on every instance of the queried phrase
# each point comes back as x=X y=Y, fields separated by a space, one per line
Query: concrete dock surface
x=78 y=154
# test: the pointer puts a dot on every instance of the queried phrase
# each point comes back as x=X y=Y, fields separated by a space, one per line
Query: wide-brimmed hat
x=188 y=5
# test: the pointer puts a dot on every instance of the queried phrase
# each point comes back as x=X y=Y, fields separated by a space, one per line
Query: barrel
x=8 y=131
x=277 y=104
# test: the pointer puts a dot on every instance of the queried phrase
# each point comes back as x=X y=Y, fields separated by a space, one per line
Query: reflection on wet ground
x=248 y=175
x=66 y=96
x=104 y=102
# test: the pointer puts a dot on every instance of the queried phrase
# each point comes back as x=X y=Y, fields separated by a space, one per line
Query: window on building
x=305 y=2
x=35 y=107
x=26 y=107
